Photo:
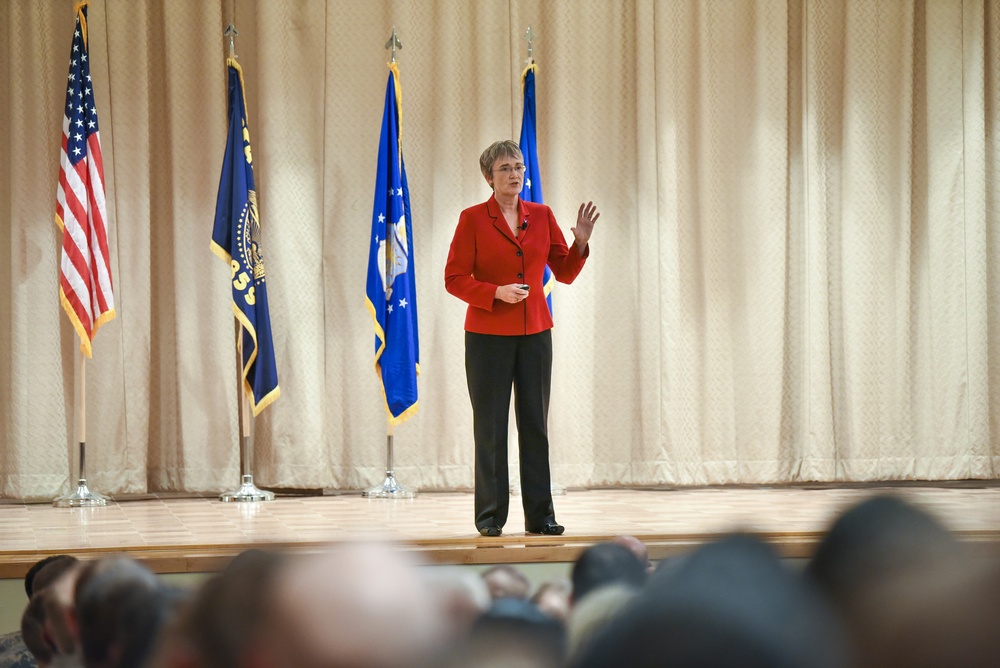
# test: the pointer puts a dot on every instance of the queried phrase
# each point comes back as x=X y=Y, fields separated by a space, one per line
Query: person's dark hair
x=113 y=597
x=144 y=613
x=251 y=560
x=227 y=611
x=33 y=630
x=881 y=536
x=604 y=564
x=517 y=622
x=45 y=571
x=731 y=603
x=908 y=592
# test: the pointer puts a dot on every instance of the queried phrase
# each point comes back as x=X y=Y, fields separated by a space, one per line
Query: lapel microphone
x=524 y=225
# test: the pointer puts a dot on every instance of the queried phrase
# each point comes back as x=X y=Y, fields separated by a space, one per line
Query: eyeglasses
x=507 y=169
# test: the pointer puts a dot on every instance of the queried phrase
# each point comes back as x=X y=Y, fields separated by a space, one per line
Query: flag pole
x=80 y=171
x=83 y=497
x=390 y=488
x=530 y=36
x=247 y=492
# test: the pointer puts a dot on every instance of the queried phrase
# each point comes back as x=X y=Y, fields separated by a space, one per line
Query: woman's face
x=507 y=176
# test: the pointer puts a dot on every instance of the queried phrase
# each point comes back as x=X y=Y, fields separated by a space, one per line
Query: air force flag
x=532 y=189
x=391 y=290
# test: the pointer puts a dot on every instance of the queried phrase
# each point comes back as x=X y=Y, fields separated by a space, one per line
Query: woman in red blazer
x=496 y=263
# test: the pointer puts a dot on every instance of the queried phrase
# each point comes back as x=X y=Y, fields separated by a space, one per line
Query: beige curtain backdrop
x=795 y=277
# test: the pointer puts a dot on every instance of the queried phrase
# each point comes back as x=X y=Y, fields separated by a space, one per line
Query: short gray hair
x=505 y=148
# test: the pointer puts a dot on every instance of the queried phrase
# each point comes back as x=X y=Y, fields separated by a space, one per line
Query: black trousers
x=494 y=365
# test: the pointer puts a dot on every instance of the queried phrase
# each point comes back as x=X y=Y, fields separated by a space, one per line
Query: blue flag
x=236 y=239
x=532 y=189
x=392 y=288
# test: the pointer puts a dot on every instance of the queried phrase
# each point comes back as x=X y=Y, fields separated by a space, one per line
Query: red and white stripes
x=85 y=285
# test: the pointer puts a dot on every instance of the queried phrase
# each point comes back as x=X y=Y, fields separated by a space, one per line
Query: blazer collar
x=499 y=222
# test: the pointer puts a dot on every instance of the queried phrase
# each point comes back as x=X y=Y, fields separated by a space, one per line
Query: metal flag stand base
x=389 y=489
x=81 y=498
x=247 y=492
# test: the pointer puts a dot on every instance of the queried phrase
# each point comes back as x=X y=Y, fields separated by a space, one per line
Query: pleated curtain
x=794 y=278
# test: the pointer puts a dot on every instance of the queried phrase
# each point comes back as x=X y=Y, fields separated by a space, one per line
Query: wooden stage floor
x=199 y=534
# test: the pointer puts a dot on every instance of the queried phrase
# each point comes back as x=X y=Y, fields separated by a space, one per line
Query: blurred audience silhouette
x=888 y=585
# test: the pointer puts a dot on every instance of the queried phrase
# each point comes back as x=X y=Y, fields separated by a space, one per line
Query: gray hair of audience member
x=553 y=597
x=110 y=594
x=506 y=581
x=731 y=603
x=594 y=613
x=461 y=594
x=603 y=564
x=358 y=604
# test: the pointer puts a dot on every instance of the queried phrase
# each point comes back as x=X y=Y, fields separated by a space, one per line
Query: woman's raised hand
x=585 y=220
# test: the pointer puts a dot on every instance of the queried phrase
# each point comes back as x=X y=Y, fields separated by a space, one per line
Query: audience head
x=945 y=617
x=37 y=631
x=362 y=605
x=461 y=594
x=553 y=597
x=44 y=572
x=877 y=538
x=593 y=613
x=33 y=630
x=731 y=603
x=512 y=632
x=120 y=607
x=907 y=591
x=58 y=596
x=603 y=564
x=636 y=547
x=506 y=581
x=217 y=626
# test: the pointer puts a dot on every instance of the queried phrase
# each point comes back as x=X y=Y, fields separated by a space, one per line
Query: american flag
x=85 y=269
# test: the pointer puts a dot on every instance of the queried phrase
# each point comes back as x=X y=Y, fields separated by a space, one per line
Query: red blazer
x=485 y=254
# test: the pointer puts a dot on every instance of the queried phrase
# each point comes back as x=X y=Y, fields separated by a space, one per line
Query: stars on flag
x=85 y=284
x=81 y=112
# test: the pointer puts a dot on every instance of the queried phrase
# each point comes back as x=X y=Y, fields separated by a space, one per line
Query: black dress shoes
x=492 y=531
x=551 y=529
